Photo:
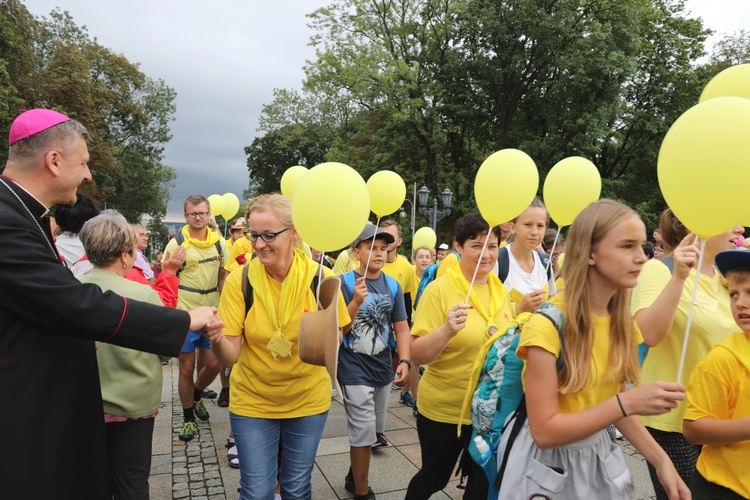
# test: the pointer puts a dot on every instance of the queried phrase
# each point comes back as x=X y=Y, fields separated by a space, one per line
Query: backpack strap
x=519 y=419
x=347 y=285
x=503 y=264
x=347 y=289
x=545 y=261
x=247 y=290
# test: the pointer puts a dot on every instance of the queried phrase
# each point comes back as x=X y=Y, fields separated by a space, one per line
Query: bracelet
x=622 y=408
x=407 y=361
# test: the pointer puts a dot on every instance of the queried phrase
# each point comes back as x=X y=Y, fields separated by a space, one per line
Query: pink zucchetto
x=32 y=122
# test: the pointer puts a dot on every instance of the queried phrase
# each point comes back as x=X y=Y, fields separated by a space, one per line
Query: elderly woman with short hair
x=131 y=380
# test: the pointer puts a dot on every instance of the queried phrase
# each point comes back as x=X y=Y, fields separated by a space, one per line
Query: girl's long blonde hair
x=588 y=229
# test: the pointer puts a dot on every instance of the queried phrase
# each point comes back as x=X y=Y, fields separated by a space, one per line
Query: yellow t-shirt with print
x=263 y=386
x=719 y=389
x=401 y=270
x=443 y=385
x=601 y=384
x=199 y=275
x=712 y=323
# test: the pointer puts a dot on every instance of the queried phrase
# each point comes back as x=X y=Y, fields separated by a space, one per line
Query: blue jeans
x=258 y=447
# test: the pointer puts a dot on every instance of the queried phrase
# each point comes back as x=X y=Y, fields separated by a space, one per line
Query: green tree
x=432 y=87
x=52 y=62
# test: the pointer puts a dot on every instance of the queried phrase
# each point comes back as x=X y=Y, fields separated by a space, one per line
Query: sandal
x=232 y=457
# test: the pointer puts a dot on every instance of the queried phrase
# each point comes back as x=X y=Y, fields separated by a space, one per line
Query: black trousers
x=441 y=447
x=704 y=490
x=683 y=455
x=129 y=445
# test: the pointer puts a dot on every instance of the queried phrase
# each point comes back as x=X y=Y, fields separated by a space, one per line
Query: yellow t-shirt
x=448 y=261
x=241 y=247
x=601 y=384
x=345 y=262
x=401 y=270
x=444 y=383
x=719 y=388
x=264 y=387
x=199 y=275
x=712 y=323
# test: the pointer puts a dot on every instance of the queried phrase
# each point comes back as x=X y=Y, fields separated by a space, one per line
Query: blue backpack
x=495 y=389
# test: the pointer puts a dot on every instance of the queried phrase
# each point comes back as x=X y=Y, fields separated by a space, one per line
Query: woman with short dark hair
x=448 y=334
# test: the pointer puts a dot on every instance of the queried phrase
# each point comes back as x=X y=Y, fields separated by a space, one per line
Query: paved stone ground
x=199 y=470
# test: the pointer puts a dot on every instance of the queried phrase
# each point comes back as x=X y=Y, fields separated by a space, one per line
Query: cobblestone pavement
x=199 y=470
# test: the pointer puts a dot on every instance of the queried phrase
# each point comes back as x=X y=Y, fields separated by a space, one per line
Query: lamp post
x=402 y=214
x=434 y=215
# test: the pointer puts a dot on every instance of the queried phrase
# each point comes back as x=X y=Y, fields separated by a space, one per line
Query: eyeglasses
x=194 y=215
x=267 y=236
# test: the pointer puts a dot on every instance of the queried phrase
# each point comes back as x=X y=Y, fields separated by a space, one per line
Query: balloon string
x=479 y=261
x=549 y=261
x=372 y=245
x=690 y=311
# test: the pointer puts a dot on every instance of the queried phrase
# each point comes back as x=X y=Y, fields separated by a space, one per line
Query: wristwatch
x=407 y=361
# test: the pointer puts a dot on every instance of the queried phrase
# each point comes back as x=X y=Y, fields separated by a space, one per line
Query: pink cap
x=32 y=122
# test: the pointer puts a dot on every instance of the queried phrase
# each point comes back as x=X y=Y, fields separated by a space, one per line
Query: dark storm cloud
x=223 y=59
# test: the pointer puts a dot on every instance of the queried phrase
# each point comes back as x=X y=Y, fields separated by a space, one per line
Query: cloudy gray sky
x=224 y=58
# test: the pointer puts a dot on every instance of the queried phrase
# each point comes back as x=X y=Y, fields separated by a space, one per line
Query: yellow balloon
x=231 y=205
x=387 y=192
x=290 y=179
x=505 y=185
x=216 y=202
x=732 y=82
x=330 y=206
x=704 y=164
x=571 y=185
x=424 y=237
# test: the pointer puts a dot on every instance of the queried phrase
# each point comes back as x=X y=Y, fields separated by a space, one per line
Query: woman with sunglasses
x=274 y=396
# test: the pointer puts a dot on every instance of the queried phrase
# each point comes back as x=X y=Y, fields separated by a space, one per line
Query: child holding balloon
x=569 y=453
x=528 y=280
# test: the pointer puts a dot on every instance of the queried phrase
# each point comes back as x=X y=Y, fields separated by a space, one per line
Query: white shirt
x=527 y=282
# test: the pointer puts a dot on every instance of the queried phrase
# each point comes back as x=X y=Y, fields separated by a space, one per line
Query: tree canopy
x=51 y=62
x=430 y=88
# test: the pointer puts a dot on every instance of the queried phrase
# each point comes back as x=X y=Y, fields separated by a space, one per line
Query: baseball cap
x=32 y=122
x=370 y=232
x=443 y=246
x=732 y=259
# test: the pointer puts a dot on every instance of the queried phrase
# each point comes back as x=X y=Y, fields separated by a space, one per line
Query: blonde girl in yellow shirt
x=563 y=449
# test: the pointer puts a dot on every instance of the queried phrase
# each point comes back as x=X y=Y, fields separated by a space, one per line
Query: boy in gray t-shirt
x=375 y=301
